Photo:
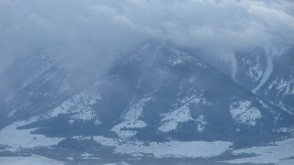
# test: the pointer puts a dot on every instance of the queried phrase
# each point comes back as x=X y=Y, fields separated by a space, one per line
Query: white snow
x=16 y=139
x=196 y=99
x=175 y=149
x=276 y=153
x=255 y=72
x=267 y=73
x=285 y=130
x=79 y=106
x=201 y=123
x=171 y=149
x=181 y=114
x=171 y=120
x=106 y=141
x=263 y=104
x=30 y=160
x=179 y=57
x=242 y=112
x=120 y=163
x=282 y=86
x=97 y=122
x=131 y=119
x=88 y=156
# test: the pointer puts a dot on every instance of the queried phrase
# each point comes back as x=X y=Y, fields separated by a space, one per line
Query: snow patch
x=275 y=153
x=201 y=123
x=175 y=149
x=242 y=112
x=255 y=72
x=79 y=106
x=109 y=142
x=179 y=57
x=285 y=130
x=171 y=120
x=131 y=119
x=282 y=86
x=34 y=160
x=88 y=156
x=182 y=114
x=120 y=163
x=267 y=73
x=171 y=149
x=16 y=139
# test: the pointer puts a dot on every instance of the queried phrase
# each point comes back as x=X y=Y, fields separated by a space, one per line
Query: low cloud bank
x=90 y=29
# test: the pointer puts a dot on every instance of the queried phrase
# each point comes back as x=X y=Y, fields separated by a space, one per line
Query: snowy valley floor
x=280 y=153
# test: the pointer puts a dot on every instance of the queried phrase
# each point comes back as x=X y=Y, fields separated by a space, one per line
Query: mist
x=91 y=35
x=87 y=29
x=175 y=81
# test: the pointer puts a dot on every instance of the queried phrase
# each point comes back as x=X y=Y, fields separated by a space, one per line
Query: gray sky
x=91 y=28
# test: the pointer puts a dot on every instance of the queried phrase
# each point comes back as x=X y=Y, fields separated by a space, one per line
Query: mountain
x=267 y=73
x=146 y=102
x=279 y=89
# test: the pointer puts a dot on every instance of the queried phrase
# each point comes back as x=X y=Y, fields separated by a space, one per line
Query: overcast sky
x=90 y=28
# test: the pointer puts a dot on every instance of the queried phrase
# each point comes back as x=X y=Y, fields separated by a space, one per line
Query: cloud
x=98 y=29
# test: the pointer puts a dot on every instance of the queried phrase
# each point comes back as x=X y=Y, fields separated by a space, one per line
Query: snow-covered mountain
x=279 y=89
x=155 y=102
x=267 y=72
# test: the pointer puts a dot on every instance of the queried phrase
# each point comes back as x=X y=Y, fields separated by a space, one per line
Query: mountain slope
x=155 y=97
